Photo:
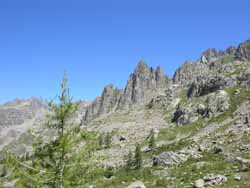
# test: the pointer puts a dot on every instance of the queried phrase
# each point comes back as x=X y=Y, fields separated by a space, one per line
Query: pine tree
x=52 y=164
x=107 y=140
x=129 y=160
x=100 y=141
x=138 y=157
x=152 y=144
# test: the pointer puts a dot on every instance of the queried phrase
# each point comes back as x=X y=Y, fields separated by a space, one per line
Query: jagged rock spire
x=141 y=85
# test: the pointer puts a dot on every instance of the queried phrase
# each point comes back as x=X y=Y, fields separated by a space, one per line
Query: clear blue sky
x=100 y=42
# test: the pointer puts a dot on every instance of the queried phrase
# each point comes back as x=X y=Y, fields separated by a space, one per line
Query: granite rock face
x=169 y=158
x=104 y=104
x=139 y=90
x=244 y=78
x=217 y=103
x=211 y=61
x=141 y=84
x=189 y=71
x=204 y=85
x=137 y=184
x=243 y=51
x=209 y=55
x=182 y=116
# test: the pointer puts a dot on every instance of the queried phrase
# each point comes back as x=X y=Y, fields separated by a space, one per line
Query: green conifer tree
x=108 y=139
x=152 y=144
x=129 y=160
x=100 y=141
x=52 y=165
x=138 y=157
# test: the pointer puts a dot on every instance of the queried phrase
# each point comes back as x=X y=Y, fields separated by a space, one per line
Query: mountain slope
x=200 y=121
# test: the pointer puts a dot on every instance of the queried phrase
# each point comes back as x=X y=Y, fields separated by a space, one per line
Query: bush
x=138 y=157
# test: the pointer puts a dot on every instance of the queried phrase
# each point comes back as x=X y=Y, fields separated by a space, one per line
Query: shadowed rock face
x=205 y=85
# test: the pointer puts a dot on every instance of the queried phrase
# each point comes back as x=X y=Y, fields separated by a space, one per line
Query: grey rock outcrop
x=210 y=180
x=209 y=55
x=204 y=85
x=137 y=184
x=169 y=158
x=140 y=89
x=189 y=71
x=104 y=104
x=210 y=62
x=18 y=111
x=199 y=183
x=183 y=116
x=164 y=100
x=243 y=51
x=216 y=103
x=244 y=78
x=214 y=180
x=142 y=84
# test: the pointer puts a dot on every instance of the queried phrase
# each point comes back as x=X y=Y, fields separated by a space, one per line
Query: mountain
x=199 y=119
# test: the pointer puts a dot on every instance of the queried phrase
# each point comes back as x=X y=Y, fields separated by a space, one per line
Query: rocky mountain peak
x=243 y=51
x=210 y=60
x=142 y=84
x=209 y=55
x=141 y=67
x=18 y=111
x=104 y=104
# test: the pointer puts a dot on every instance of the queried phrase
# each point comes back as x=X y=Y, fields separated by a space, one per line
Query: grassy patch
x=173 y=133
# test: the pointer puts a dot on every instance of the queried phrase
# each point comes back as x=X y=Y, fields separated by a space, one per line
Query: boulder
x=137 y=184
x=169 y=158
x=214 y=180
x=185 y=115
x=199 y=183
x=216 y=103
x=245 y=148
x=244 y=78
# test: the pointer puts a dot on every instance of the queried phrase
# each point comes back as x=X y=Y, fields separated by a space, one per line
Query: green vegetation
x=107 y=140
x=138 y=157
x=104 y=140
x=129 y=160
x=227 y=59
x=247 y=45
x=56 y=164
x=152 y=143
x=175 y=132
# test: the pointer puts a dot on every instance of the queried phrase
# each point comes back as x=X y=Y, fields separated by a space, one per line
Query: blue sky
x=101 y=42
